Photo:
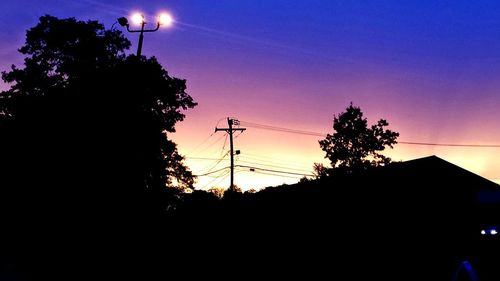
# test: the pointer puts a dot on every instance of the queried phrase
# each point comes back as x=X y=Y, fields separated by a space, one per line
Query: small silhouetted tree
x=320 y=171
x=217 y=191
x=251 y=191
x=355 y=145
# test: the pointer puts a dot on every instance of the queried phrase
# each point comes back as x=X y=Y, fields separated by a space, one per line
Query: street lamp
x=137 y=18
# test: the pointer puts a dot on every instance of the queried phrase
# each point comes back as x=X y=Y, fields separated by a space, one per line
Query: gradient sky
x=430 y=68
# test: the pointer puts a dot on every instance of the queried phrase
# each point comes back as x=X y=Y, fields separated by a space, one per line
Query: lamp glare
x=137 y=18
x=165 y=19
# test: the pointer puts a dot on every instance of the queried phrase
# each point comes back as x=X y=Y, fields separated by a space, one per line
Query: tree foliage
x=60 y=51
x=82 y=117
x=355 y=145
x=320 y=171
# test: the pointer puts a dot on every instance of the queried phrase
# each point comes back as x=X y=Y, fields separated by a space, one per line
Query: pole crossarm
x=227 y=129
x=164 y=19
x=145 y=30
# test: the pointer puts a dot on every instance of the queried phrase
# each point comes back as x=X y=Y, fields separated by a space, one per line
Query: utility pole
x=230 y=130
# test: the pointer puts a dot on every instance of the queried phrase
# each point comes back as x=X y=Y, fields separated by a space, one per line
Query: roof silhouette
x=435 y=166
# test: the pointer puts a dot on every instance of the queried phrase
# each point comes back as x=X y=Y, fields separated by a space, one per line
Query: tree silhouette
x=78 y=69
x=217 y=191
x=354 y=145
x=85 y=129
x=85 y=150
x=320 y=171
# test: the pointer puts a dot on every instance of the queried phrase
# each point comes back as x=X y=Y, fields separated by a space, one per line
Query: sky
x=430 y=68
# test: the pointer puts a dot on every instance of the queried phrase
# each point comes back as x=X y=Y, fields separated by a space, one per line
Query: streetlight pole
x=163 y=19
x=141 y=35
x=141 y=38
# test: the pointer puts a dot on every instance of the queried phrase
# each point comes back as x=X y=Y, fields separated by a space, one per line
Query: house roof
x=438 y=168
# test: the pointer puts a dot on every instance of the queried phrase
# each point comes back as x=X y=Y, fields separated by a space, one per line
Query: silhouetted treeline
x=416 y=220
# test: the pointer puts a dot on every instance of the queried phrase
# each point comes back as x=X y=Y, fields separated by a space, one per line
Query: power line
x=292 y=165
x=203 y=158
x=272 y=174
x=273 y=166
x=213 y=159
x=274 y=171
x=207 y=147
x=201 y=143
x=274 y=161
x=217 y=163
x=235 y=137
x=309 y=133
x=216 y=181
x=225 y=142
x=281 y=129
x=452 y=144
x=212 y=172
x=245 y=162
x=221 y=178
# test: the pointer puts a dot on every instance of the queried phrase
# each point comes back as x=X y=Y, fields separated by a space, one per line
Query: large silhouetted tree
x=87 y=168
x=354 y=145
x=87 y=124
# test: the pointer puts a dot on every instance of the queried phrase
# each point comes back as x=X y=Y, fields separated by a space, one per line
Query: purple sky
x=430 y=68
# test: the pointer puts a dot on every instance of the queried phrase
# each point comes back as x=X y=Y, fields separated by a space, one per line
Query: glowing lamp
x=137 y=19
x=165 y=19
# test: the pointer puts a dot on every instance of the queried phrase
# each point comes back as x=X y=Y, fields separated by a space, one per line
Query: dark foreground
x=389 y=224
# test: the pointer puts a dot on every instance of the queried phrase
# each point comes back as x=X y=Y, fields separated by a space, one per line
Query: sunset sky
x=431 y=68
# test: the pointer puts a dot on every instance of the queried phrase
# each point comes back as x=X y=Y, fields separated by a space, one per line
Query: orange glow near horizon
x=283 y=100
x=274 y=151
x=297 y=153
x=286 y=152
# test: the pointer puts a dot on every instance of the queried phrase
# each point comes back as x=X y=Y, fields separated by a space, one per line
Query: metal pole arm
x=145 y=30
